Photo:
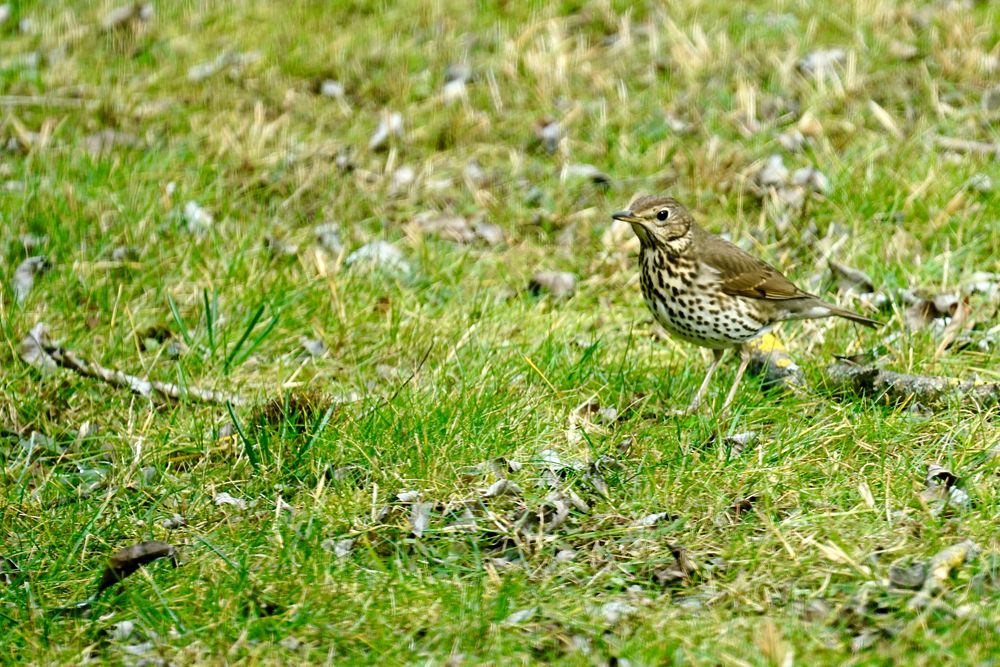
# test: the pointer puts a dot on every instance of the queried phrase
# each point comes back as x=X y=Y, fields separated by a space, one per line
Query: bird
x=709 y=292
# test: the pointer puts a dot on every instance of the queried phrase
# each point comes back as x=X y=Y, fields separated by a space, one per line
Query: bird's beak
x=638 y=225
x=626 y=216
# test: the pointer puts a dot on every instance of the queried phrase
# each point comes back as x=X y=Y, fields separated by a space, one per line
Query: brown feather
x=742 y=274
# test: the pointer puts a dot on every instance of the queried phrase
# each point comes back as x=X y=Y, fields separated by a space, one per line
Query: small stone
x=981 y=183
x=559 y=284
x=991 y=99
x=474 y=174
x=823 y=61
x=390 y=126
x=792 y=141
x=774 y=172
x=122 y=630
x=454 y=91
x=328 y=237
x=903 y=50
x=585 y=172
x=812 y=179
x=457 y=72
x=402 y=179
x=314 y=347
x=381 y=254
x=549 y=133
x=331 y=88
x=616 y=610
x=124 y=253
x=490 y=233
x=199 y=221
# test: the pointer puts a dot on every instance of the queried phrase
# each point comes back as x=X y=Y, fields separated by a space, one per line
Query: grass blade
x=248 y=447
x=243 y=338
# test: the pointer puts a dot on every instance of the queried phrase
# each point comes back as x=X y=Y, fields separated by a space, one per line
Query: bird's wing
x=742 y=274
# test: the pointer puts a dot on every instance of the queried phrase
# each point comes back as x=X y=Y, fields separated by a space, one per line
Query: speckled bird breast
x=686 y=300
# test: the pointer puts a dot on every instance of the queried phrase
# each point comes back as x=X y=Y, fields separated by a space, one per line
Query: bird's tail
x=851 y=315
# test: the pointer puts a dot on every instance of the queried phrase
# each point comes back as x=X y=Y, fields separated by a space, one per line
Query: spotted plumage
x=704 y=290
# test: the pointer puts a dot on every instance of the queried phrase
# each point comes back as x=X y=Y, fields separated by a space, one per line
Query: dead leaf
x=391 y=125
x=223 y=498
x=850 y=279
x=959 y=319
x=925 y=311
x=502 y=487
x=490 y=233
x=549 y=133
x=586 y=172
x=8 y=570
x=448 y=227
x=24 y=276
x=32 y=348
x=560 y=284
x=907 y=577
x=742 y=506
x=137 y=12
x=651 y=520
x=682 y=571
x=519 y=617
x=128 y=560
x=420 y=517
x=947 y=560
x=938 y=474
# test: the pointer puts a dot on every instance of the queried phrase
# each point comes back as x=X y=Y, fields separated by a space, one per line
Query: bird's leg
x=700 y=394
x=744 y=361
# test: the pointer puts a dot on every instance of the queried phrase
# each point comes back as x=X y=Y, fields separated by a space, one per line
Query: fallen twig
x=968 y=146
x=38 y=349
x=926 y=389
x=40 y=101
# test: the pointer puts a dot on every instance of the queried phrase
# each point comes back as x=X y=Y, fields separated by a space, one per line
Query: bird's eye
x=662 y=214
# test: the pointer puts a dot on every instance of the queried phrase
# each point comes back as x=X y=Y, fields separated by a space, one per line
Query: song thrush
x=704 y=290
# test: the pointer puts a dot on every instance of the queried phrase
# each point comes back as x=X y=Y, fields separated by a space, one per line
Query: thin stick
x=38 y=341
x=968 y=146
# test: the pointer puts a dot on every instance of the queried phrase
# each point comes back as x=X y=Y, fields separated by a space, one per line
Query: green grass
x=456 y=363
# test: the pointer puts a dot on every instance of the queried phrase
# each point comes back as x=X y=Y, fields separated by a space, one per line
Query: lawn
x=421 y=452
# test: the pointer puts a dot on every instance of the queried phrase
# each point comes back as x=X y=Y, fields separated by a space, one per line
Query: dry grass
x=364 y=520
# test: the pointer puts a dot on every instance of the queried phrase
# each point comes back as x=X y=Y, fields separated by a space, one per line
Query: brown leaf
x=908 y=577
x=937 y=474
x=743 y=505
x=850 y=279
x=126 y=561
x=557 y=283
x=925 y=311
x=959 y=319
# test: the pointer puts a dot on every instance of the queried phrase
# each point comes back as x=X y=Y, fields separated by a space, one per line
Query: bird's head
x=658 y=221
